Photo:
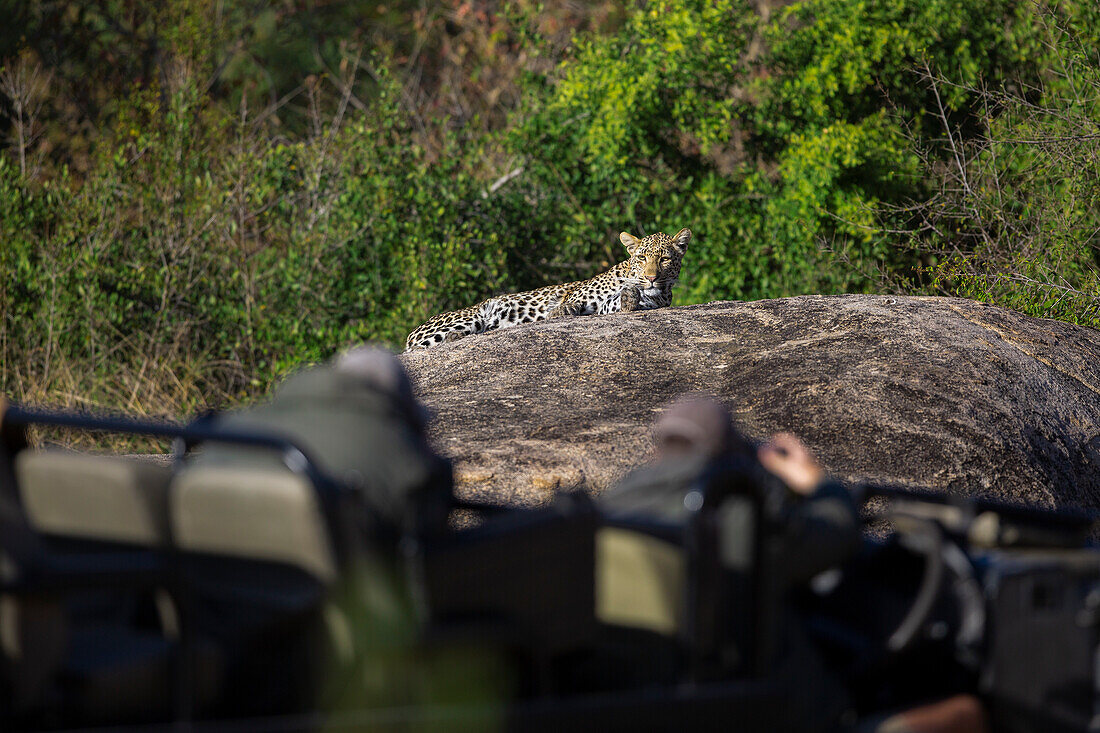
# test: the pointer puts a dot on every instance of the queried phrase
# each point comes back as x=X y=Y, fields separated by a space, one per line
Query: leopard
x=643 y=281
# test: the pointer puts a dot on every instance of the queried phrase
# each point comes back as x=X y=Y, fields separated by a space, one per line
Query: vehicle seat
x=605 y=604
x=680 y=592
x=261 y=569
x=261 y=514
x=524 y=578
x=95 y=497
x=111 y=637
x=640 y=581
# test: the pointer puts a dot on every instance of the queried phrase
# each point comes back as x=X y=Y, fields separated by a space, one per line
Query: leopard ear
x=630 y=241
x=680 y=241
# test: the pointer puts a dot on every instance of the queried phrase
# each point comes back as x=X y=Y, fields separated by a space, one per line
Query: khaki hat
x=377 y=368
x=695 y=424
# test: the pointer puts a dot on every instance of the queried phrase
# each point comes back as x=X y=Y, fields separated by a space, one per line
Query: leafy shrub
x=203 y=247
x=200 y=260
x=768 y=135
x=1014 y=214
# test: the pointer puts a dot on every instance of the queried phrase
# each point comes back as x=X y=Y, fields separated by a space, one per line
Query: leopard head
x=655 y=261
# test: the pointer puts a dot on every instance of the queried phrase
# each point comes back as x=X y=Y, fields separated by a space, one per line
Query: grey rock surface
x=943 y=393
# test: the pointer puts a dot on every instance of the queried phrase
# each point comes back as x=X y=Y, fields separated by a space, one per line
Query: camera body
x=1042 y=638
x=1014 y=592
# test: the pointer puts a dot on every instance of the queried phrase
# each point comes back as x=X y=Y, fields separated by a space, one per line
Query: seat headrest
x=258 y=513
x=94 y=496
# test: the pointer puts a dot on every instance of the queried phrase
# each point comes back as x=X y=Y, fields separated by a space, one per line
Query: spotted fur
x=642 y=282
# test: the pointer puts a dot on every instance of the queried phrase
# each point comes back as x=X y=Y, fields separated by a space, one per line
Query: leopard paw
x=629 y=300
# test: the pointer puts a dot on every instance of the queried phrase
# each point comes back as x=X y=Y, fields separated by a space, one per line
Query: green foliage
x=1015 y=215
x=1062 y=290
x=199 y=247
x=214 y=274
x=768 y=136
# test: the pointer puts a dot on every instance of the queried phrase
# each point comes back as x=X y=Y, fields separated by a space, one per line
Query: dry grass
x=464 y=64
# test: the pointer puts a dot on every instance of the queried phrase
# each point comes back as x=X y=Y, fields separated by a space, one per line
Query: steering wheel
x=941 y=557
x=929 y=542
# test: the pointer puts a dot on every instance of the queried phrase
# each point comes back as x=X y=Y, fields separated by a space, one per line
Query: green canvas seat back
x=641 y=581
x=688 y=578
x=255 y=513
x=263 y=580
x=94 y=497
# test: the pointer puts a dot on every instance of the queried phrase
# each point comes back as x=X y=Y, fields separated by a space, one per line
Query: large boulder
x=943 y=393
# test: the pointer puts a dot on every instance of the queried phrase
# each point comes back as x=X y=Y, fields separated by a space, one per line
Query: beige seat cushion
x=254 y=513
x=94 y=496
x=640 y=581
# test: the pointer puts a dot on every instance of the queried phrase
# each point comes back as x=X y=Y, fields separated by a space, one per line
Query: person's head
x=697 y=425
x=378 y=369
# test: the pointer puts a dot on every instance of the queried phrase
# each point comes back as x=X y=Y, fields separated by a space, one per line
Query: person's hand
x=786 y=458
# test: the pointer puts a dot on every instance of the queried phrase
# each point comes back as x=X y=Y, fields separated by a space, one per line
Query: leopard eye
x=666 y=260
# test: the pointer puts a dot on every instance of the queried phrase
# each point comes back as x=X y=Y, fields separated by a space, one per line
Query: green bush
x=202 y=260
x=1014 y=215
x=775 y=138
x=203 y=249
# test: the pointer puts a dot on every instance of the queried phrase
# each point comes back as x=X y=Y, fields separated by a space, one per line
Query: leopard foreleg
x=571 y=305
x=568 y=308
